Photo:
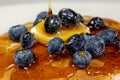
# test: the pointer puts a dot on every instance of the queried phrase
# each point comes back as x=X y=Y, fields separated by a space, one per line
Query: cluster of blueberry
x=24 y=57
x=82 y=47
x=66 y=17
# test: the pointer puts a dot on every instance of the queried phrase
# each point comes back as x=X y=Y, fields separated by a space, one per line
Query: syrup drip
x=49 y=8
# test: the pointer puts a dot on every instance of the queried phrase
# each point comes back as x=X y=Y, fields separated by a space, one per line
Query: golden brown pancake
x=46 y=67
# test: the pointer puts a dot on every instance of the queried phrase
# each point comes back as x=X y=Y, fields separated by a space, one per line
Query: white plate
x=21 y=13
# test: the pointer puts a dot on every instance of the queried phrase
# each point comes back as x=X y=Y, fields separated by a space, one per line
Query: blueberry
x=96 y=23
x=26 y=40
x=75 y=43
x=41 y=16
x=80 y=18
x=55 y=46
x=87 y=36
x=82 y=58
x=69 y=17
x=52 y=24
x=109 y=36
x=95 y=45
x=15 y=32
x=24 y=57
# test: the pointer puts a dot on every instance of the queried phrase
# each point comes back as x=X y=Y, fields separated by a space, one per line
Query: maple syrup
x=50 y=8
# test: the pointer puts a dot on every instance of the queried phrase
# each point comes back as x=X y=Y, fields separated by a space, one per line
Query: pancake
x=46 y=67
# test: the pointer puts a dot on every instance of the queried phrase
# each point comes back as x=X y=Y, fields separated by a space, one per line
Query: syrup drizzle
x=49 y=8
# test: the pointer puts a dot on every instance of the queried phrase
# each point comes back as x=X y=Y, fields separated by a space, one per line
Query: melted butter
x=64 y=33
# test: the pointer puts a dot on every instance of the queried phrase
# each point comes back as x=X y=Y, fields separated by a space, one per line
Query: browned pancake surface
x=47 y=67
